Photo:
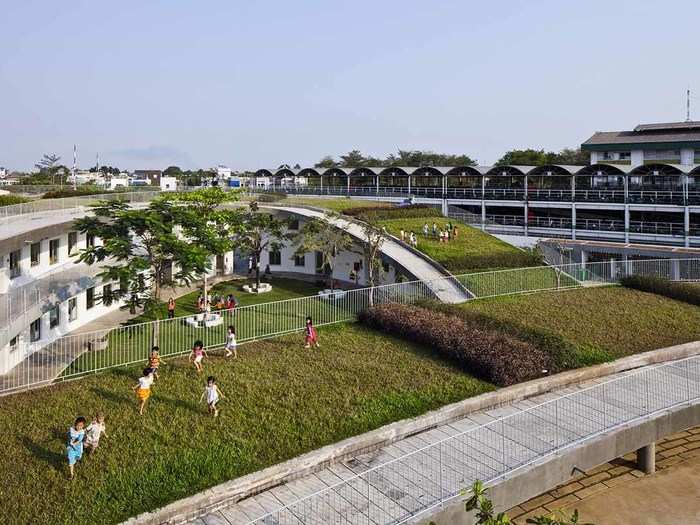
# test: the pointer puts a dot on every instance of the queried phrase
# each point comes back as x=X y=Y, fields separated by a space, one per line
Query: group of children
x=79 y=436
x=450 y=232
x=217 y=302
x=443 y=235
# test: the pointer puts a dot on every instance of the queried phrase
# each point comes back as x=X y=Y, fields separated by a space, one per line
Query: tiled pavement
x=670 y=451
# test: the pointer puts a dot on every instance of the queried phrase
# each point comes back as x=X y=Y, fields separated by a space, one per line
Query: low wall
x=229 y=492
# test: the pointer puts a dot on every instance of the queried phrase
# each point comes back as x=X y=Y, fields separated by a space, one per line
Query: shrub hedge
x=519 y=259
x=394 y=212
x=562 y=352
x=271 y=197
x=498 y=358
x=79 y=192
x=686 y=292
x=9 y=200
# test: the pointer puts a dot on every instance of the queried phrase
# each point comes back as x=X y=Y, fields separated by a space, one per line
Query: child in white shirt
x=94 y=431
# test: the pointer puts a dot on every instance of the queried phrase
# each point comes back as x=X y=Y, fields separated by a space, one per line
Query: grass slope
x=602 y=323
x=337 y=205
x=472 y=250
x=281 y=401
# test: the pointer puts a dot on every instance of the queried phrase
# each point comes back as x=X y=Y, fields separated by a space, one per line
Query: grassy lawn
x=602 y=323
x=502 y=282
x=281 y=401
x=472 y=250
x=339 y=204
x=130 y=343
x=281 y=289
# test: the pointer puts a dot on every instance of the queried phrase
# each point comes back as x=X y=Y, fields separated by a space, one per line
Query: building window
x=275 y=257
x=34 y=251
x=300 y=260
x=53 y=251
x=72 y=243
x=54 y=316
x=385 y=266
x=72 y=309
x=14 y=264
x=294 y=225
x=35 y=330
x=90 y=240
x=625 y=155
x=13 y=343
x=107 y=294
x=90 y=297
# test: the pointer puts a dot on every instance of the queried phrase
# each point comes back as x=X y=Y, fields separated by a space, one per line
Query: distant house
x=146 y=178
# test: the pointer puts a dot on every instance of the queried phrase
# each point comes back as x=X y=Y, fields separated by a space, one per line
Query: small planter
x=332 y=294
x=252 y=288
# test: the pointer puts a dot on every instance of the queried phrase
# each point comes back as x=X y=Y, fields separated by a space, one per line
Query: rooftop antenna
x=687 y=105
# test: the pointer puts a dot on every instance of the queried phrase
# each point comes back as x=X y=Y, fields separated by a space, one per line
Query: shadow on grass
x=54 y=459
x=180 y=403
x=112 y=396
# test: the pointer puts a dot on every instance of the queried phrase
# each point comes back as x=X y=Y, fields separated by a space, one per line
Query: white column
x=594 y=157
x=627 y=223
x=228 y=263
x=636 y=158
x=573 y=221
x=687 y=156
x=686 y=226
x=526 y=207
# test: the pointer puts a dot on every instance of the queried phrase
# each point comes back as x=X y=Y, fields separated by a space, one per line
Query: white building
x=168 y=183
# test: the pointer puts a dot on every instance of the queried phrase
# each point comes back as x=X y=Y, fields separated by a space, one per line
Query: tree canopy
x=540 y=157
x=407 y=158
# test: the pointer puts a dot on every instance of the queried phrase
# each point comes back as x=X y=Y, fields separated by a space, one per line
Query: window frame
x=32 y=260
x=90 y=298
x=72 y=309
x=35 y=330
x=54 y=246
x=72 y=243
x=277 y=254
x=54 y=316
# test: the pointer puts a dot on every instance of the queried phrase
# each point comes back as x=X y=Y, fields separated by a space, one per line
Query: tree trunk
x=256 y=262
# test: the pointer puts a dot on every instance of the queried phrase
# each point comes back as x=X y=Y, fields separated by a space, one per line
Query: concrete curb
x=229 y=492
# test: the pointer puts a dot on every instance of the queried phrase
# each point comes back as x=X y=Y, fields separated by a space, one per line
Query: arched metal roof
x=263 y=173
x=657 y=169
x=508 y=171
x=309 y=172
x=602 y=170
x=363 y=172
x=553 y=170
x=464 y=171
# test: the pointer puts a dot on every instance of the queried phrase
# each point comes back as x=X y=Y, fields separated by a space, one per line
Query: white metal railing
x=414 y=484
x=75 y=355
x=70 y=204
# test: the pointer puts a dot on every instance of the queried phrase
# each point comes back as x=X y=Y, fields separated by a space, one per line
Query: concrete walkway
x=377 y=488
x=447 y=290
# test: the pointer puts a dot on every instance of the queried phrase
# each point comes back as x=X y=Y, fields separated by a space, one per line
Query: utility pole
x=75 y=167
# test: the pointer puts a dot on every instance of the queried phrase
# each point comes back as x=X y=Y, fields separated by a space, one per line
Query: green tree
x=203 y=221
x=173 y=171
x=317 y=235
x=142 y=249
x=326 y=162
x=572 y=157
x=258 y=231
x=373 y=237
x=352 y=159
x=525 y=157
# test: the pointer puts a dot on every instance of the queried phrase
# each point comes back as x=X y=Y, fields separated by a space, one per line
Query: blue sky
x=256 y=84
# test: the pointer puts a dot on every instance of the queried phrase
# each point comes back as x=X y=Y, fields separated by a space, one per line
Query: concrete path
x=447 y=290
x=381 y=489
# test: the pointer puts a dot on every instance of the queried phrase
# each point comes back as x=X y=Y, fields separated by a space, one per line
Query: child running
x=143 y=388
x=311 y=336
x=231 y=343
x=154 y=361
x=197 y=355
x=213 y=394
x=94 y=431
x=74 y=447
